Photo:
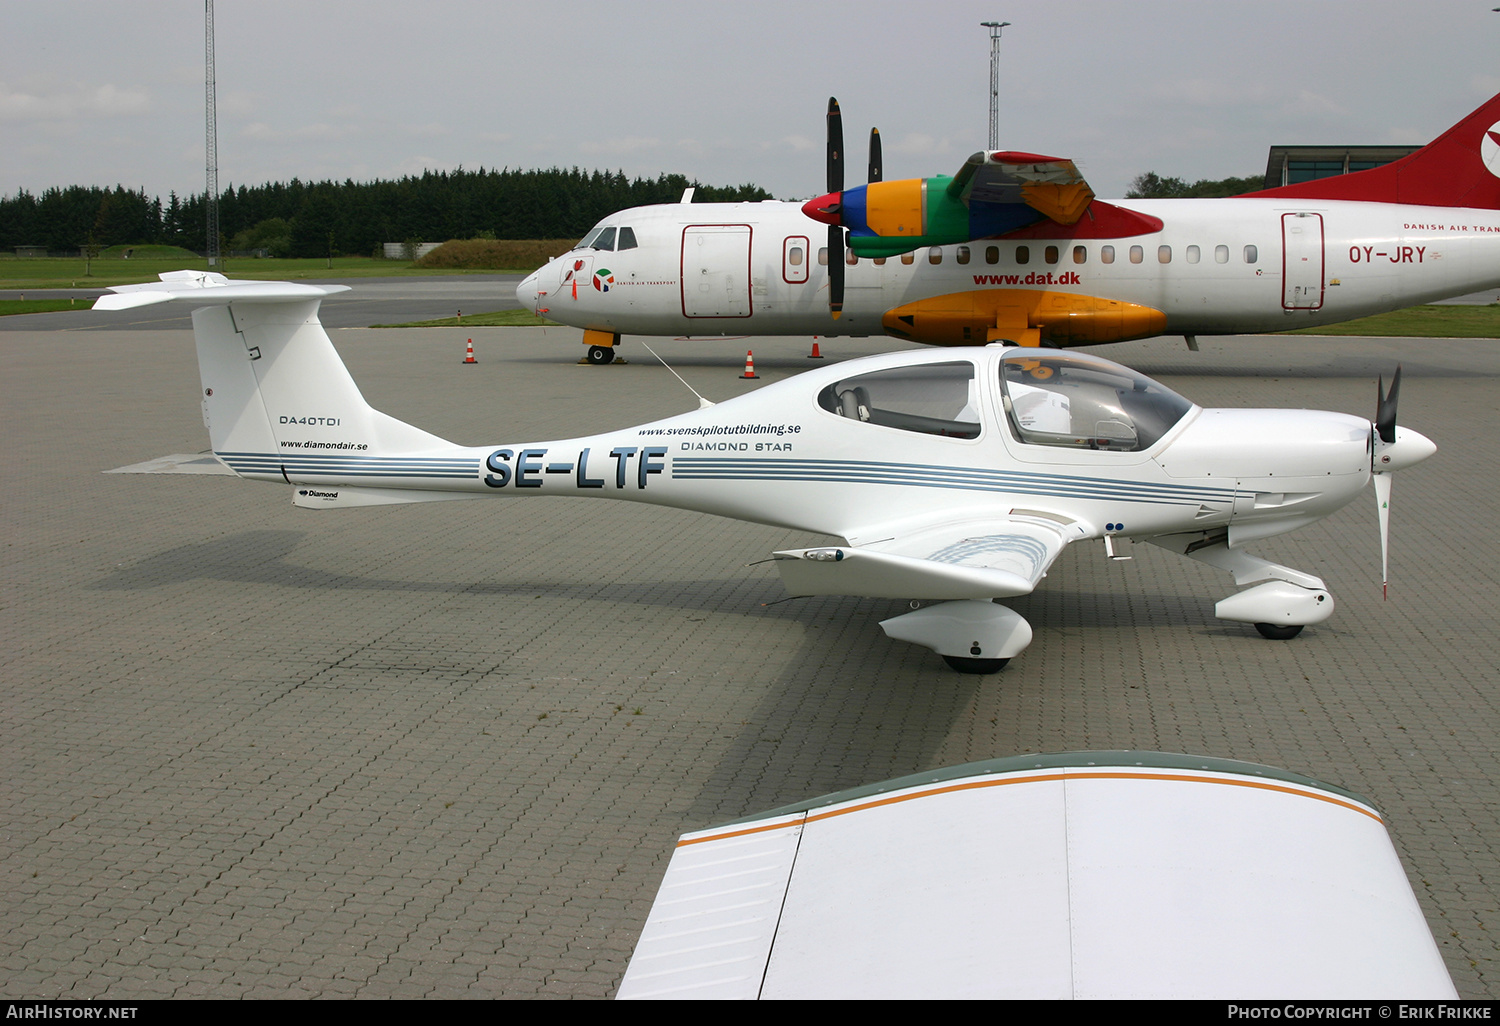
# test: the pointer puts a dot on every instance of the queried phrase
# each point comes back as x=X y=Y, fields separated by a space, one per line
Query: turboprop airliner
x=954 y=477
x=1015 y=247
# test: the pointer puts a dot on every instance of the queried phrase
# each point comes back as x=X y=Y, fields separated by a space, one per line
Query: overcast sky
x=104 y=93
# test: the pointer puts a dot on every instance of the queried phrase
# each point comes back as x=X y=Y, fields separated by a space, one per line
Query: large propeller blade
x=835 y=232
x=874 y=174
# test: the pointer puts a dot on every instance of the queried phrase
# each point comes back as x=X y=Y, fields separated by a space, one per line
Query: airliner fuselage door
x=716 y=270
x=1302 y=261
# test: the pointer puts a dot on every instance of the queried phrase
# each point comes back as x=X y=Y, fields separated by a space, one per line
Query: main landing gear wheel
x=966 y=664
x=1277 y=632
x=600 y=355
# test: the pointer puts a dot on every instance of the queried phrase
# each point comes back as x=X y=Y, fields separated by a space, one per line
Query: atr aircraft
x=1015 y=247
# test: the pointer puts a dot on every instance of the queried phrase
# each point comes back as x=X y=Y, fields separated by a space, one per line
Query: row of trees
x=1152 y=186
x=309 y=219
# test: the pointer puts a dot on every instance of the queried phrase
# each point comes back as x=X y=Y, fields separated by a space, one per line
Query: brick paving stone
x=445 y=749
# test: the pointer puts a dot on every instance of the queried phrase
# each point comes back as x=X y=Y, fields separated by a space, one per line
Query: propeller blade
x=1382 y=484
x=835 y=147
x=835 y=232
x=835 y=270
x=1385 y=407
x=875 y=161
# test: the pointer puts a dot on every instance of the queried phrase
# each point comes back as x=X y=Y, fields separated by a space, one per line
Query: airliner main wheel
x=1276 y=632
x=601 y=355
x=966 y=664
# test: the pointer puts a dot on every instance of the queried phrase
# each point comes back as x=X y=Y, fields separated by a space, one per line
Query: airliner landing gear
x=601 y=346
x=1278 y=632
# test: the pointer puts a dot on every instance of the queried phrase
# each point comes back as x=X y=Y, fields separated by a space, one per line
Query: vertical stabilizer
x=274 y=388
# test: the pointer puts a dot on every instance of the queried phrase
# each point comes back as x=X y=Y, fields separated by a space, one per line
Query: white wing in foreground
x=1084 y=875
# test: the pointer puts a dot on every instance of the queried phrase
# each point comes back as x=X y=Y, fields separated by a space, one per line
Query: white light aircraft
x=1015 y=247
x=954 y=477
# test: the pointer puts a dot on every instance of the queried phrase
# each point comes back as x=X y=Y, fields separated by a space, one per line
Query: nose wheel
x=1279 y=632
x=600 y=355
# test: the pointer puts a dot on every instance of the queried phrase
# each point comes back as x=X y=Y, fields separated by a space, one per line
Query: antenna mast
x=995 y=28
x=211 y=136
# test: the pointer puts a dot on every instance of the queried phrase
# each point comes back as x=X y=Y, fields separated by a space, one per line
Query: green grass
x=1419 y=322
x=496 y=319
x=68 y=272
x=26 y=306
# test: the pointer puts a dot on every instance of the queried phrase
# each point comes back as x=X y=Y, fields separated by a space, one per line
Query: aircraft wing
x=1091 y=875
x=1052 y=186
x=973 y=559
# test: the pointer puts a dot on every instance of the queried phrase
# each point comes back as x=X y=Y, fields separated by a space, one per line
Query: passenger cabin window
x=1050 y=254
x=1221 y=254
x=626 y=239
x=850 y=258
x=929 y=399
x=961 y=254
x=880 y=261
x=1065 y=401
x=992 y=254
x=907 y=258
x=794 y=259
x=1137 y=254
x=1164 y=254
x=1250 y=254
x=935 y=255
x=822 y=256
x=1023 y=254
x=1106 y=254
x=1080 y=254
x=1193 y=254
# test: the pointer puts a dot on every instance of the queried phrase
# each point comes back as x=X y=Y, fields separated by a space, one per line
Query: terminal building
x=1290 y=165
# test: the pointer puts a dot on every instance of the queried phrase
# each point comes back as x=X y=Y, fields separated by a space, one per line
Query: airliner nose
x=526 y=291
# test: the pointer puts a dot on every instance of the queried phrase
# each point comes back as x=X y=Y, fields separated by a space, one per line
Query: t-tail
x=280 y=404
x=1460 y=168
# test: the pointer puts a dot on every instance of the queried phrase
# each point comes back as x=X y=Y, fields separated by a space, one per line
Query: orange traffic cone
x=815 y=355
x=469 y=358
x=749 y=365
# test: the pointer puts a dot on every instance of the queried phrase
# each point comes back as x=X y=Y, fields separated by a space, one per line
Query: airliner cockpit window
x=626 y=239
x=604 y=240
x=1061 y=400
x=929 y=398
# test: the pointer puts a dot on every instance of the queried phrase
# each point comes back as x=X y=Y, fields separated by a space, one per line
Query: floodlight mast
x=211 y=136
x=995 y=28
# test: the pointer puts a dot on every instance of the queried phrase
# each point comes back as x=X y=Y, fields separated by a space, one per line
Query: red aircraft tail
x=1460 y=168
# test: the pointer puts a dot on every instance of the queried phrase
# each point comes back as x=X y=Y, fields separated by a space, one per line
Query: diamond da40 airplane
x=1016 y=247
x=950 y=476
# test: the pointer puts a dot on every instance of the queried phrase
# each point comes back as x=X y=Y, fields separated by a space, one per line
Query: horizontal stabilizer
x=205 y=288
